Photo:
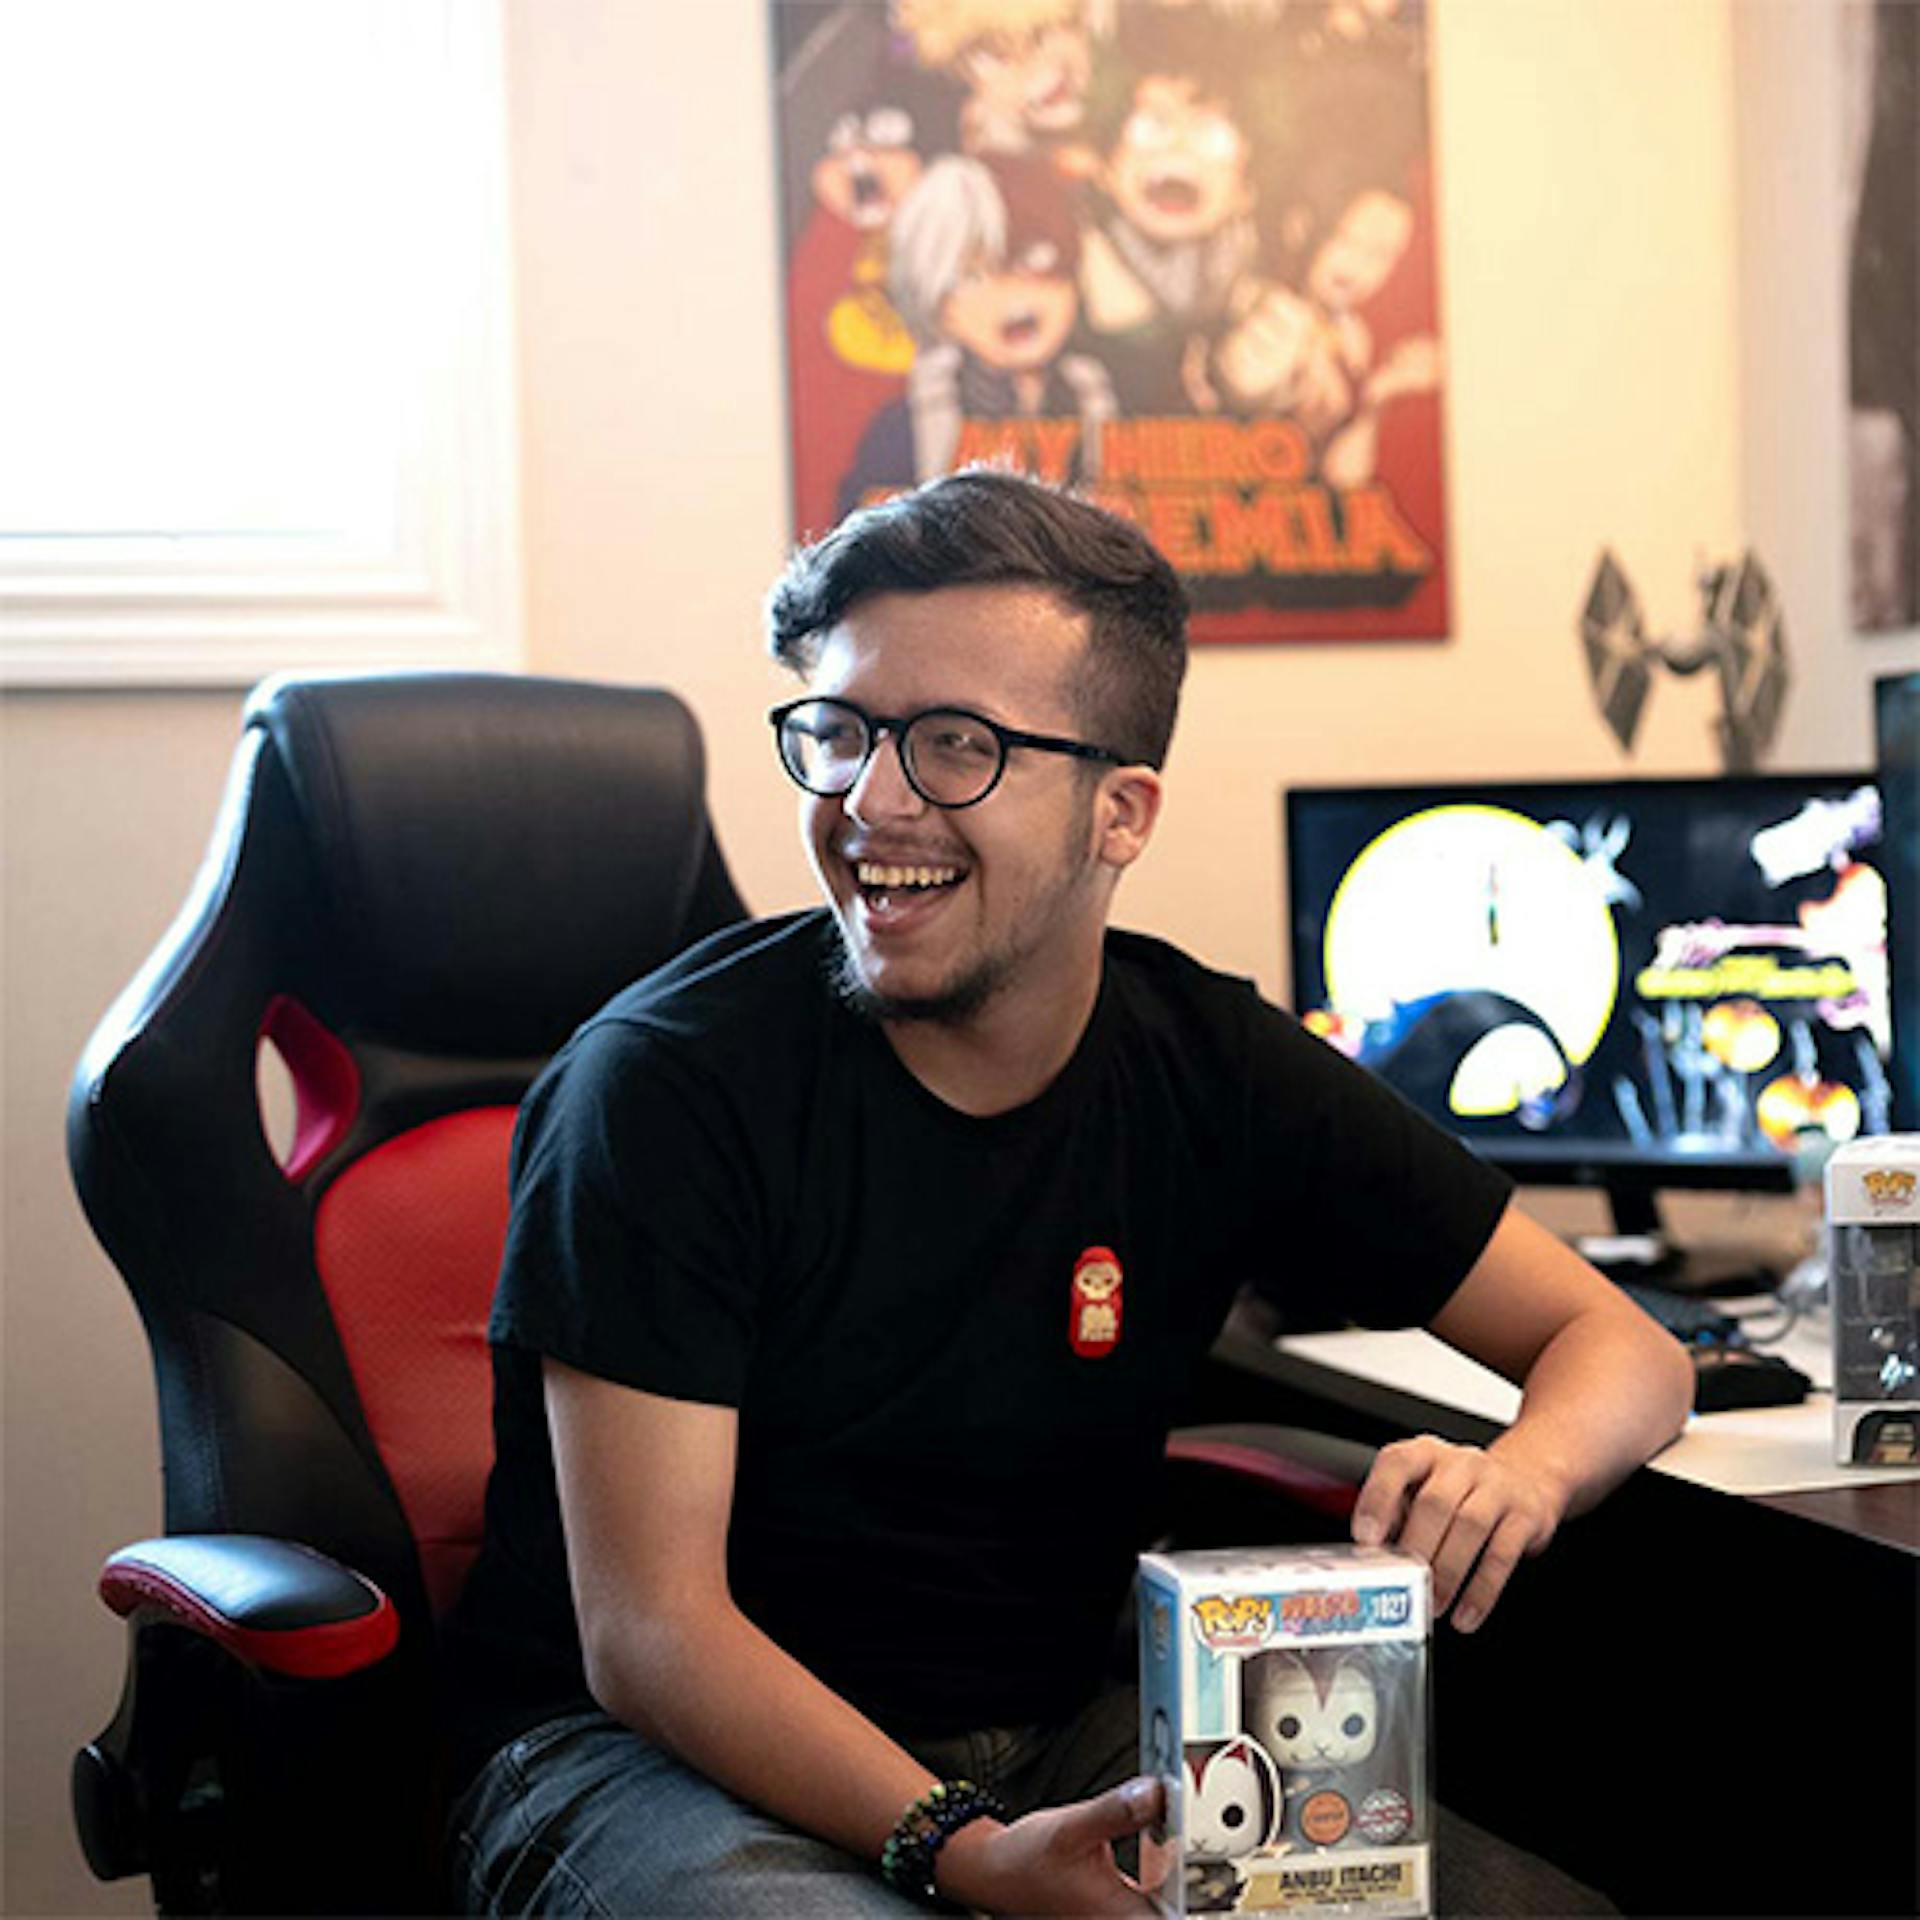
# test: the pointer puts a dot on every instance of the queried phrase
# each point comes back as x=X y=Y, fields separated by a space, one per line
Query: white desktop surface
x=1746 y=1450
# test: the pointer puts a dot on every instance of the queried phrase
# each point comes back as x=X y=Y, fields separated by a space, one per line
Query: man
x=817 y=1483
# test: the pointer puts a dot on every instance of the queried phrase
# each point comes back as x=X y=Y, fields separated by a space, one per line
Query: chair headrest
x=496 y=854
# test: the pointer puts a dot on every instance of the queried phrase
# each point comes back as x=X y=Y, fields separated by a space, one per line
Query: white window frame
x=433 y=579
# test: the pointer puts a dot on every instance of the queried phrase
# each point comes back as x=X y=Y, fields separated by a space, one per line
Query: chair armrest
x=275 y=1606
x=1318 y=1471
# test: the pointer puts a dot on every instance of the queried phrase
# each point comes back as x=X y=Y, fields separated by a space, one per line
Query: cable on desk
x=1770 y=1335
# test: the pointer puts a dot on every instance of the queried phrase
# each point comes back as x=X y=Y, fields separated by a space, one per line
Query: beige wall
x=1586 y=182
x=105 y=803
x=1639 y=277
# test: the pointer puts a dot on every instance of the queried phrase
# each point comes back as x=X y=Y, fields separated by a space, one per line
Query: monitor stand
x=1642 y=1249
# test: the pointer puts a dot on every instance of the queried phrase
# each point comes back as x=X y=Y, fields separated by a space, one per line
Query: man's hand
x=1603 y=1389
x=1056 y=1861
x=1472 y=1515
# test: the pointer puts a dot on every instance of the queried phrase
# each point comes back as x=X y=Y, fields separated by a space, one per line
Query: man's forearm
x=1602 y=1390
x=1604 y=1395
x=736 y=1707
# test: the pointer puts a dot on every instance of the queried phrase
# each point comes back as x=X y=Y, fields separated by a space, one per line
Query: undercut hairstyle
x=985 y=527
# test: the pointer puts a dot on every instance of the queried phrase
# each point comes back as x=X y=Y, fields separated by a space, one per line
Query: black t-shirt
x=728 y=1189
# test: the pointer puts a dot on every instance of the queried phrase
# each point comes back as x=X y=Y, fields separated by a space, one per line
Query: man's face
x=1179 y=169
x=1014 y=317
x=942 y=910
x=1365 y=246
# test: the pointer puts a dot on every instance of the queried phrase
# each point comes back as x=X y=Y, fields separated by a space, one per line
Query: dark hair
x=984 y=527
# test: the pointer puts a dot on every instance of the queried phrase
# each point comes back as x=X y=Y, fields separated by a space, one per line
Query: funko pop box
x=1873 y=1259
x=1284 y=1704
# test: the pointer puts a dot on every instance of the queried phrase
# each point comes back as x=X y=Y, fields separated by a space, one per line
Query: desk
x=1699 y=1701
x=1757 y=1450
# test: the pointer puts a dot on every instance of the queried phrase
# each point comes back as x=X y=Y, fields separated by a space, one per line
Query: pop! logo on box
x=1889 y=1186
x=1225 y=1622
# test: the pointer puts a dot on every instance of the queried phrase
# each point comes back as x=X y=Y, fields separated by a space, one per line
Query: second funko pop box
x=1284 y=1702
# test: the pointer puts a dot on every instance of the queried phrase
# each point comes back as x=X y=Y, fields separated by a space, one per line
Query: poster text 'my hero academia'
x=1179 y=253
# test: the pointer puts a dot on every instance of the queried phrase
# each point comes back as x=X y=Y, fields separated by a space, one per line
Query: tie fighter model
x=1742 y=633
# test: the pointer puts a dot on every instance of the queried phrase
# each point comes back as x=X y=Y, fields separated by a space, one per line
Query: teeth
x=871 y=874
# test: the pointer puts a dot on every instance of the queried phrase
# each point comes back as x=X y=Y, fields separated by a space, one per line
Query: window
x=255 y=392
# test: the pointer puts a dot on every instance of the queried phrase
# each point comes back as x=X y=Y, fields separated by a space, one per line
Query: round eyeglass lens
x=824 y=745
x=953 y=757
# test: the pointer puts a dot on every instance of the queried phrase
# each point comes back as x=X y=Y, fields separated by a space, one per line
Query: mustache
x=896 y=853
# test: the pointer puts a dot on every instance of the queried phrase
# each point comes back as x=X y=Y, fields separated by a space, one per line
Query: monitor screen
x=1632 y=984
x=1896 y=709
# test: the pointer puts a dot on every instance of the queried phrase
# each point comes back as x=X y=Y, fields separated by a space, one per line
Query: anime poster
x=1177 y=253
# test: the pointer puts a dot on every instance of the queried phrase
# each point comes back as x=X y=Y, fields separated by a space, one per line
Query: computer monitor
x=1625 y=984
x=1896 y=713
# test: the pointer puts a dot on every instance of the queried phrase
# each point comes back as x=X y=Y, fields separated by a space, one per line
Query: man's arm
x=646 y=1492
x=1604 y=1389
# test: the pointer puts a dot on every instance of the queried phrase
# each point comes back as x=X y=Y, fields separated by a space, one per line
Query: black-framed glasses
x=951 y=757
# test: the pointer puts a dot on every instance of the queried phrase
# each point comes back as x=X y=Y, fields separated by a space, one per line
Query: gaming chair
x=418 y=885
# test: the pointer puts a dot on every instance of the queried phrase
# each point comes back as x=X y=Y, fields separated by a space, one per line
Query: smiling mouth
x=895 y=899
x=1020 y=329
x=876 y=879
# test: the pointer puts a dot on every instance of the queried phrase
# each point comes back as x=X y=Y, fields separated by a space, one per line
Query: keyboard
x=1686 y=1316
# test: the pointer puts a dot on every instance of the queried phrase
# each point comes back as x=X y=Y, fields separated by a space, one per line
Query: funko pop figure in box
x=1318 y=1714
x=1873 y=1250
x=1292 y=1685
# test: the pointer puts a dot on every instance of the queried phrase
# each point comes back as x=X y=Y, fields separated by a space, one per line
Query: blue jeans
x=583 y=1816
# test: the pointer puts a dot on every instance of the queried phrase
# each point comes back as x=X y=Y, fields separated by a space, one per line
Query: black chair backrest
x=418 y=885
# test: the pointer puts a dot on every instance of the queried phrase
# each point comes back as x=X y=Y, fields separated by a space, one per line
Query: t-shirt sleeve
x=631 y=1246
x=1382 y=1213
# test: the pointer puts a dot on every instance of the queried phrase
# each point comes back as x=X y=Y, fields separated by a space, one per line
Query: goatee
x=953 y=1007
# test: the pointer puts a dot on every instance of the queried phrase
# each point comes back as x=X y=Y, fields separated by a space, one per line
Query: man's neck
x=1009 y=1053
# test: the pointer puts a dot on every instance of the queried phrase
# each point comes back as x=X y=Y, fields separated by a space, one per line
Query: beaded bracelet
x=906 y=1861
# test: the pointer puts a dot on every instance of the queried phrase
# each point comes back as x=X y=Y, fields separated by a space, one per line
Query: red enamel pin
x=1094 y=1328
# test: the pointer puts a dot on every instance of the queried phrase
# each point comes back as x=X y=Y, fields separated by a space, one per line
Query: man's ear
x=1124 y=814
